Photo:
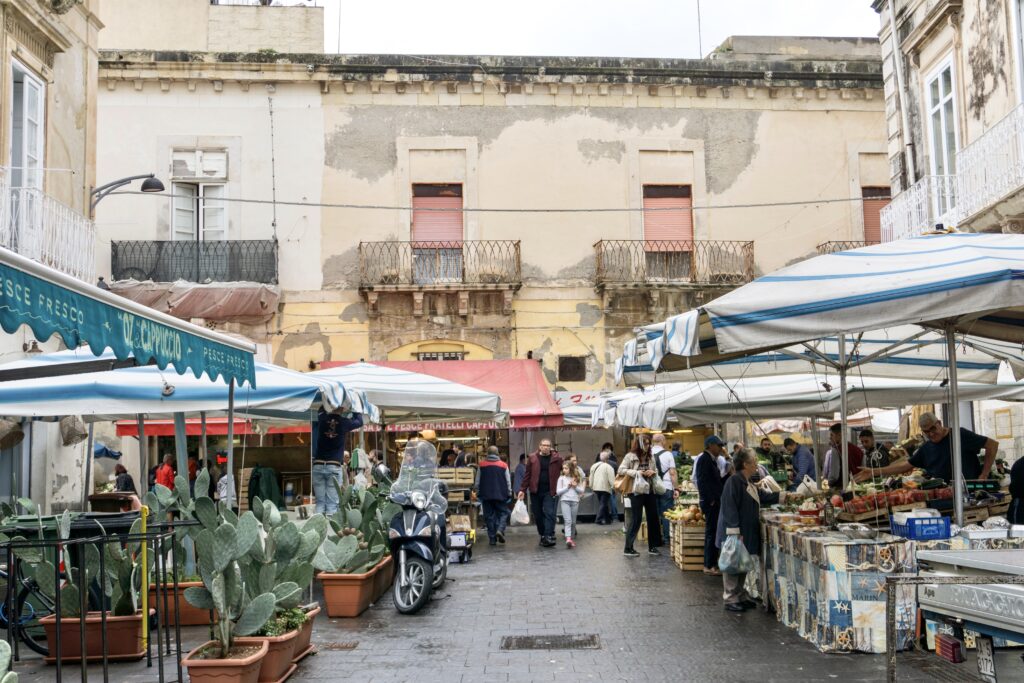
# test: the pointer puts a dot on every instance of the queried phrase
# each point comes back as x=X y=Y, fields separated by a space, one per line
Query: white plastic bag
x=520 y=517
x=734 y=558
x=641 y=486
x=769 y=485
x=808 y=487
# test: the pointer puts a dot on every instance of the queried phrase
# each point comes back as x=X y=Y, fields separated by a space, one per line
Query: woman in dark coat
x=1016 y=513
x=740 y=515
x=124 y=482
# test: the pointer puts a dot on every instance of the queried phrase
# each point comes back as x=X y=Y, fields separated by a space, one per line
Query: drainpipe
x=1018 y=40
x=897 y=60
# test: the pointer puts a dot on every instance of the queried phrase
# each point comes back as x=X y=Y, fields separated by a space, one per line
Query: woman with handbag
x=643 y=491
x=739 y=529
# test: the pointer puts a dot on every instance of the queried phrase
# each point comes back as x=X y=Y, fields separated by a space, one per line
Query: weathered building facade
x=443 y=207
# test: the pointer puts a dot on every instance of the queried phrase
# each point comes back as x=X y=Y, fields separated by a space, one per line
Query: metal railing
x=655 y=262
x=41 y=228
x=488 y=262
x=931 y=200
x=833 y=247
x=992 y=166
x=195 y=261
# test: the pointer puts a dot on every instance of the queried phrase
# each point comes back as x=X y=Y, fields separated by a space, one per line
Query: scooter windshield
x=418 y=473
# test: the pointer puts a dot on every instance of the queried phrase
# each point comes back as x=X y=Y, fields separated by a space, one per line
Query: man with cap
x=709 y=485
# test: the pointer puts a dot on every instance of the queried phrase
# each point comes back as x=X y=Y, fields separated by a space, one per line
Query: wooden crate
x=464 y=476
x=687 y=546
x=243 y=489
x=998 y=509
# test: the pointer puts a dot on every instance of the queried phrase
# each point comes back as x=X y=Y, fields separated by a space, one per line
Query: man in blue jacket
x=328 y=454
x=803 y=462
x=709 y=485
x=493 y=489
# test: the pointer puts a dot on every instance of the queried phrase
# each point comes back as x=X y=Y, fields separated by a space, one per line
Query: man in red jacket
x=542 y=470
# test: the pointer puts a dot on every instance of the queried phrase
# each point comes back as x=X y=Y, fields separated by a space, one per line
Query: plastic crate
x=921 y=528
x=982 y=484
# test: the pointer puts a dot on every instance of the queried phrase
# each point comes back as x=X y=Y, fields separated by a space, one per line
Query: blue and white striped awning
x=970 y=281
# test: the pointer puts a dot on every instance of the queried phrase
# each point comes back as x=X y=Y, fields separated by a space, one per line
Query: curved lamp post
x=150 y=183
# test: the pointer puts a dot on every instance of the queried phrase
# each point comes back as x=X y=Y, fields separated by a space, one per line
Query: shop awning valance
x=50 y=302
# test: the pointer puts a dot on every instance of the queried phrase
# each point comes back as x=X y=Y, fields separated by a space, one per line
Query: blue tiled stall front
x=832 y=589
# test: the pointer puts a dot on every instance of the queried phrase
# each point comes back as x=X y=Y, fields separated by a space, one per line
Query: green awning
x=50 y=302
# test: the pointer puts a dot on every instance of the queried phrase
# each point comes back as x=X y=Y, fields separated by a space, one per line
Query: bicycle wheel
x=32 y=605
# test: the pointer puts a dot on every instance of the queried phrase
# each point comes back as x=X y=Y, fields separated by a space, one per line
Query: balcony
x=834 y=247
x=635 y=263
x=407 y=266
x=195 y=261
x=990 y=174
x=916 y=210
x=41 y=228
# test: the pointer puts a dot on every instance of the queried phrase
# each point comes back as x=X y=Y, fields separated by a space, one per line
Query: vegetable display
x=686 y=515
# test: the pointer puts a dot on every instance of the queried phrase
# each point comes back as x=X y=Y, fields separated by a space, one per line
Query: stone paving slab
x=655 y=623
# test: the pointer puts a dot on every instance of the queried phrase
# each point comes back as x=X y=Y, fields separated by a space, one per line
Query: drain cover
x=341 y=646
x=574 y=641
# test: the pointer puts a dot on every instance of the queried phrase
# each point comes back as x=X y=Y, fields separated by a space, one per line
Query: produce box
x=687 y=545
x=460 y=523
x=457 y=475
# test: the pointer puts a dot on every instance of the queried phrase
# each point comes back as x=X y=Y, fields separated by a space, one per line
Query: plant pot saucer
x=134 y=657
x=287 y=674
x=299 y=656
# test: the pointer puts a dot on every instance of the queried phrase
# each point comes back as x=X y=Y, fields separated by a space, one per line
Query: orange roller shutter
x=429 y=224
x=668 y=219
x=873 y=205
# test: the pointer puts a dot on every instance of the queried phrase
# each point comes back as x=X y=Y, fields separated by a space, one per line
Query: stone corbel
x=506 y=302
x=463 y=303
x=417 y=304
x=371 y=304
x=1012 y=227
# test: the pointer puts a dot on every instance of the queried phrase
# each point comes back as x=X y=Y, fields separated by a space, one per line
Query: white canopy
x=404 y=396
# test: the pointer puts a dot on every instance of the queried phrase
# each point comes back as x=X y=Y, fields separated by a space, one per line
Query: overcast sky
x=619 y=28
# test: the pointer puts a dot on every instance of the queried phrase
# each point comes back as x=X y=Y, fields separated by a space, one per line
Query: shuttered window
x=668 y=217
x=875 y=199
x=437 y=214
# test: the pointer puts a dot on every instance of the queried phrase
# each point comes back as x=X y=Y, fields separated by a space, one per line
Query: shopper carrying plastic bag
x=520 y=516
x=734 y=558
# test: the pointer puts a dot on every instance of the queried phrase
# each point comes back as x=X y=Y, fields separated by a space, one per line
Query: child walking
x=568 y=489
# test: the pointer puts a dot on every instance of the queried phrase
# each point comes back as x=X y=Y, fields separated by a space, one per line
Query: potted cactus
x=120 y=586
x=354 y=555
x=6 y=675
x=221 y=553
x=281 y=561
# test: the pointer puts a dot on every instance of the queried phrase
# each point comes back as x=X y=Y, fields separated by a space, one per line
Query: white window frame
x=948 y=156
x=197 y=164
x=200 y=209
x=21 y=167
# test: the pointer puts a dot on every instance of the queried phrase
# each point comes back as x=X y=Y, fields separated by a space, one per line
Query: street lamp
x=150 y=183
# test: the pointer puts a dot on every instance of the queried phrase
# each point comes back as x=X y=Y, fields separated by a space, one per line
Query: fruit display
x=686 y=514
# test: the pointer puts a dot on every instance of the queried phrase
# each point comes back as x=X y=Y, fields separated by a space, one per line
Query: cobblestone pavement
x=654 y=623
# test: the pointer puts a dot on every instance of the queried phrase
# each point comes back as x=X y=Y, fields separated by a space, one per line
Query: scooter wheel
x=419 y=576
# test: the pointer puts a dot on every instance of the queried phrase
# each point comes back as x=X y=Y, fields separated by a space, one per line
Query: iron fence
x=834 y=247
x=195 y=261
x=673 y=262
x=916 y=210
x=486 y=262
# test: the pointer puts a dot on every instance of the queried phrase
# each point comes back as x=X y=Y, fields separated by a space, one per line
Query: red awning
x=215 y=426
x=524 y=393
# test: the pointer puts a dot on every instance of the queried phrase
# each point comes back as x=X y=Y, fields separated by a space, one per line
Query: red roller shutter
x=432 y=225
x=668 y=217
x=875 y=199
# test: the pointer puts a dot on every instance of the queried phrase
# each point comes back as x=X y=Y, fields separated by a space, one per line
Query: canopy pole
x=843 y=407
x=143 y=455
x=818 y=455
x=88 y=471
x=954 y=427
x=232 y=490
x=181 y=445
x=202 y=440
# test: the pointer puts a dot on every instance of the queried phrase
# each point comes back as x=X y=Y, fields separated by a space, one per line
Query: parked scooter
x=418 y=535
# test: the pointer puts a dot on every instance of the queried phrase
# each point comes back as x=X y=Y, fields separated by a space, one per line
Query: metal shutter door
x=873 y=219
x=670 y=221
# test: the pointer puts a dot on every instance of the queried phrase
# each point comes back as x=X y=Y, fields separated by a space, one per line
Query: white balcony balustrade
x=931 y=200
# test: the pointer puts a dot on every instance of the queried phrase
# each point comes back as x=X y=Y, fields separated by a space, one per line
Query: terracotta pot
x=124 y=637
x=277 y=665
x=382 y=580
x=302 y=643
x=187 y=614
x=242 y=670
x=348 y=595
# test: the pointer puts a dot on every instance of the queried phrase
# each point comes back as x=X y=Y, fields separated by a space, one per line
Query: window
x=197 y=215
x=874 y=200
x=199 y=164
x=441 y=355
x=28 y=128
x=437 y=233
x=572 y=368
x=668 y=232
x=941 y=101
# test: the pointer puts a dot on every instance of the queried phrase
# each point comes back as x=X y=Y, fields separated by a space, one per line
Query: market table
x=831 y=589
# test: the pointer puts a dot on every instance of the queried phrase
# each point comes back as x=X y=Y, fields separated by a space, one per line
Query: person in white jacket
x=602 y=480
x=569 y=489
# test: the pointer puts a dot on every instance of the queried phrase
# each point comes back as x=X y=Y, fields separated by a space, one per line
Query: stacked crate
x=243 y=490
x=687 y=543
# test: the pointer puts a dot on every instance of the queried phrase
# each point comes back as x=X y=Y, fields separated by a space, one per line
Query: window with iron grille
x=572 y=368
x=441 y=355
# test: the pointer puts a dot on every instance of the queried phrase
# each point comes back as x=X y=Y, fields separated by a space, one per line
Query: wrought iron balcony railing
x=931 y=200
x=833 y=247
x=703 y=263
x=493 y=263
x=195 y=261
x=41 y=228
x=992 y=166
